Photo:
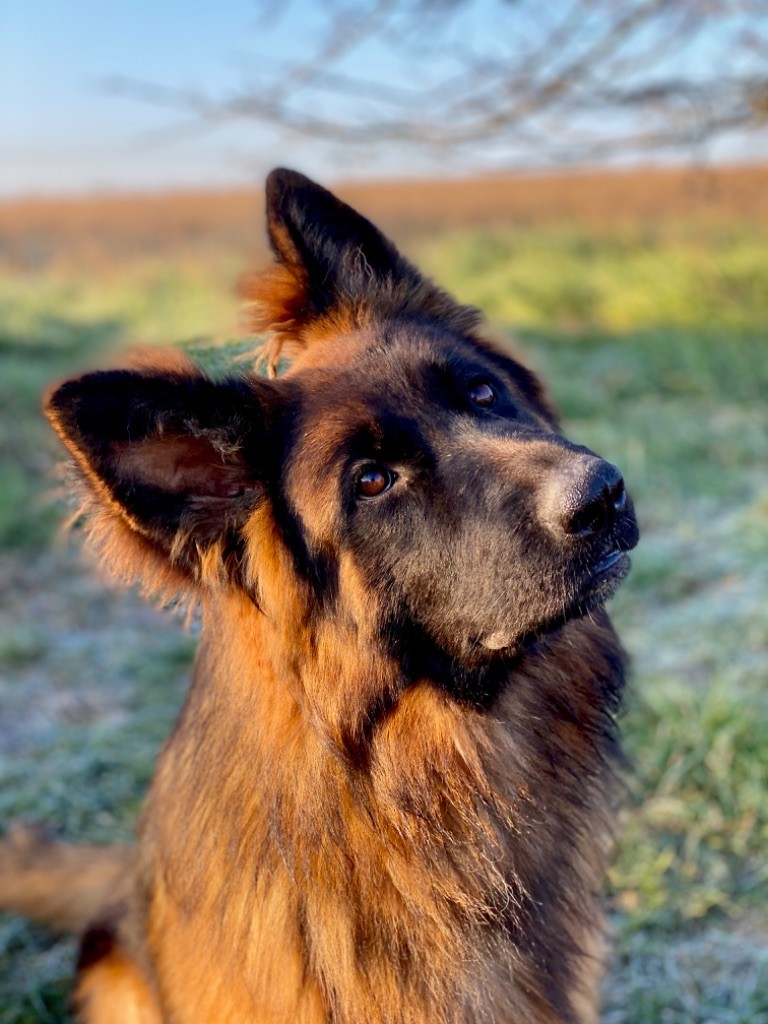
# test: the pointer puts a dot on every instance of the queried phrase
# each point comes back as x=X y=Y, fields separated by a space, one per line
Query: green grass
x=628 y=280
x=655 y=346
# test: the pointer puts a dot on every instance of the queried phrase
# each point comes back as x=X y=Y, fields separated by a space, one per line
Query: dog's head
x=410 y=476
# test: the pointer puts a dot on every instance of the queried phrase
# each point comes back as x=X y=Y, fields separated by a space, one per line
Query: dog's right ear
x=171 y=465
x=336 y=270
x=327 y=244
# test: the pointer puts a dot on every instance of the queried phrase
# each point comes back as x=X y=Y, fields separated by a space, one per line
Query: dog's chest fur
x=449 y=878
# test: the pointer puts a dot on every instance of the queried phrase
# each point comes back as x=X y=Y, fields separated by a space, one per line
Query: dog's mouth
x=608 y=573
x=600 y=585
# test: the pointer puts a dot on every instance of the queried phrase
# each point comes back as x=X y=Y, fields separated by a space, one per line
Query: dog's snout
x=588 y=498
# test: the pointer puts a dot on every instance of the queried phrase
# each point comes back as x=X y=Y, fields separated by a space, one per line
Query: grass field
x=652 y=330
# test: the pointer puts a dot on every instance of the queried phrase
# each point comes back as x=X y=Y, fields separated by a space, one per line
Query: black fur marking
x=97 y=943
x=422 y=657
x=317 y=567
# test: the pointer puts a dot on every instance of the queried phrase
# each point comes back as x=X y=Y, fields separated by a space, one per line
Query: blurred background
x=594 y=176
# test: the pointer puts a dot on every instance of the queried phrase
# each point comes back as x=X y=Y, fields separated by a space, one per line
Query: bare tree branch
x=571 y=81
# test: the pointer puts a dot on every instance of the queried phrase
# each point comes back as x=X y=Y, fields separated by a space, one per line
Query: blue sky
x=60 y=131
x=63 y=132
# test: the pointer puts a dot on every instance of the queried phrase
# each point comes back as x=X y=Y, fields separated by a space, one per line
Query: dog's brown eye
x=373 y=481
x=482 y=393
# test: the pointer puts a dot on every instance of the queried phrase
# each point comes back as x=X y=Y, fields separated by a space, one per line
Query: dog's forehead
x=340 y=406
x=382 y=369
x=404 y=370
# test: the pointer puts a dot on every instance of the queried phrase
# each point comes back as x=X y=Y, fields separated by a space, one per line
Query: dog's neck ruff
x=429 y=880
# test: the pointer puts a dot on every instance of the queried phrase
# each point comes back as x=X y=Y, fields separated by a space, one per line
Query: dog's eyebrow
x=389 y=436
x=446 y=377
x=461 y=363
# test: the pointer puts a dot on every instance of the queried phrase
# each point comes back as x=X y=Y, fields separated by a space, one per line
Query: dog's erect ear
x=327 y=242
x=335 y=267
x=171 y=462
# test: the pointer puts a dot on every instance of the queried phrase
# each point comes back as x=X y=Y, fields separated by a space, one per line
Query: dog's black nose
x=592 y=500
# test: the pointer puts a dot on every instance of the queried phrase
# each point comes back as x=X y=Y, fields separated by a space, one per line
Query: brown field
x=38 y=232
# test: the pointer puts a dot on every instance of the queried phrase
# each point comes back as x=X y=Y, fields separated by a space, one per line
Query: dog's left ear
x=171 y=465
x=335 y=268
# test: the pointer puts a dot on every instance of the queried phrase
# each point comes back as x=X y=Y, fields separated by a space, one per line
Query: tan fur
x=115 y=990
x=430 y=874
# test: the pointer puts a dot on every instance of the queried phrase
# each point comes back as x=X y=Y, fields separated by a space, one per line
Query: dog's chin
x=599 y=587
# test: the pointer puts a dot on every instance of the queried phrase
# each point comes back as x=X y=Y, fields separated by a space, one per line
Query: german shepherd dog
x=388 y=796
